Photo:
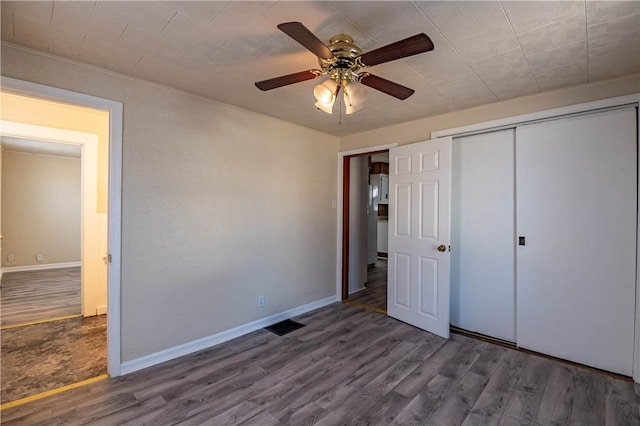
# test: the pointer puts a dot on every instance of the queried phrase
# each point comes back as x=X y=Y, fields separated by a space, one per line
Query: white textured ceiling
x=484 y=51
x=32 y=146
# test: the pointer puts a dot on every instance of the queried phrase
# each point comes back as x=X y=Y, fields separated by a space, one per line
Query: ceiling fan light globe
x=325 y=107
x=331 y=85
x=350 y=109
x=322 y=94
x=356 y=93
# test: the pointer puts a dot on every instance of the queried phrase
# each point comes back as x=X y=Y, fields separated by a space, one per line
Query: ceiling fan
x=342 y=60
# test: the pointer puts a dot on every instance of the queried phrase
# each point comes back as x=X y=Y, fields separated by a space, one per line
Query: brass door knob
x=442 y=248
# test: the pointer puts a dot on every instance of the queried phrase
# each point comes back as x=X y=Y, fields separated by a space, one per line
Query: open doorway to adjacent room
x=54 y=203
x=365 y=229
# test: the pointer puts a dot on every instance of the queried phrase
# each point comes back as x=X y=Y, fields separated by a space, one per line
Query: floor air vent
x=283 y=327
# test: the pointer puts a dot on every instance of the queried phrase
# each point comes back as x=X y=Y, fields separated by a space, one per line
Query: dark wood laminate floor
x=347 y=366
x=39 y=295
x=375 y=293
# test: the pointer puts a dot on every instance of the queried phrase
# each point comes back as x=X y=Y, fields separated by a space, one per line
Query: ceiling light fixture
x=354 y=97
x=326 y=94
x=342 y=69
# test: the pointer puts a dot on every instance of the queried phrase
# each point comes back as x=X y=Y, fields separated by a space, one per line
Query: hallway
x=375 y=293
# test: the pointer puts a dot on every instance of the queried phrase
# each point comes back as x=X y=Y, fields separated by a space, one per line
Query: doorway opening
x=101 y=187
x=365 y=200
x=54 y=302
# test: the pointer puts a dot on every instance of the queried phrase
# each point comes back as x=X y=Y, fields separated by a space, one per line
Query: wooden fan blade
x=419 y=43
x=386 y=86
x=285 y=80
x=302 y=35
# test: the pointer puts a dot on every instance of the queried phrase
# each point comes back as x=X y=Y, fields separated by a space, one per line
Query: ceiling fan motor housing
x=342 y=68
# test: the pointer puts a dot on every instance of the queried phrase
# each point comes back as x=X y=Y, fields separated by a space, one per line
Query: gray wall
x=41 y=208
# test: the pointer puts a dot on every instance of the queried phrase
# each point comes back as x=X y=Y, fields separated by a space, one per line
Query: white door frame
x=508 y=122
x=115 y=110
x=88 y=143
x=340 y=207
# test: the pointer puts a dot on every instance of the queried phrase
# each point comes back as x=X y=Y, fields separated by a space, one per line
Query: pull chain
x=340 y=110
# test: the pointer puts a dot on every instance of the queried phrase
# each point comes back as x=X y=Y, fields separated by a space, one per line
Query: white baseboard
x=355 y=291
x=215 y=339
x=40 y=266
x=101 y=310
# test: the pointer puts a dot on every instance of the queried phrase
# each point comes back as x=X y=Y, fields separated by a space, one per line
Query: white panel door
x=418 y=273
x=576 y=208
x=482 y=234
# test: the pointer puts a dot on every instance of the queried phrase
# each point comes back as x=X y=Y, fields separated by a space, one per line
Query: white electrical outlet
x=39 y=258
x=261 y=301
x=11 y=258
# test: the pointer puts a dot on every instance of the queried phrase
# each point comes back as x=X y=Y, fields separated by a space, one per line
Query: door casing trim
x=340 y=207
x=114 y=214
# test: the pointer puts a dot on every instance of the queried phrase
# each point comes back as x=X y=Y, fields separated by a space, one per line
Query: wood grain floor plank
x=343 y=320
x=557 y=399
x=214 y=398
x=29 y=416
x=488 y=360
x=622 y=404
x=134 y=414
x=340 y=369
x=163 y=380
x=453 y=362
x=254 y=397
x=464 y=359
x=262 y=419
x=237 y=414
x=526 y=398
x=383 y=411
x=363 y=375
x=375 y=390
x=331 y=378
x=491 y=404
x=92 y=411
x=455 y=407
x=427 y=401
x=308 y=414
x=589 y=400
x=39 y=295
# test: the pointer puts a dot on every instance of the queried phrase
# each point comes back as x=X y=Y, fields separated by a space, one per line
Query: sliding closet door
x=482 y=234
x=576 y=207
